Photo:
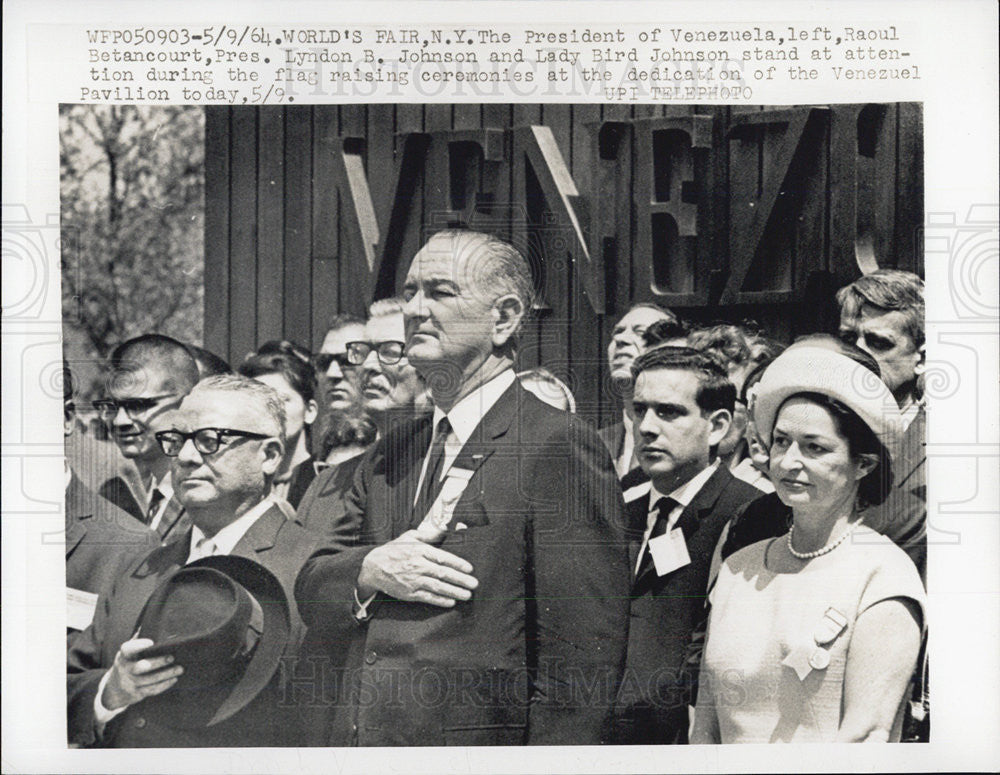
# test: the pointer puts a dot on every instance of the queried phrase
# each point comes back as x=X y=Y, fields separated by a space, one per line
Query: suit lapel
x=481 y=445
x=402 y=462
x=690 y=519
x=75 y=512
x=637 y=512
x=262 y=534
x=171 y=521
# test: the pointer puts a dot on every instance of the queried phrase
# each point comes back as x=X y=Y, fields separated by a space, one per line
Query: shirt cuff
x=101 y=714
x=361 y=609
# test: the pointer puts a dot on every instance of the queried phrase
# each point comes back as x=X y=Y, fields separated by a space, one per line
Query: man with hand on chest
x=482 y=593
x=683 y=404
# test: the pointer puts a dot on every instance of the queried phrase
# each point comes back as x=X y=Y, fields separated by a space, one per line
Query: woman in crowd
x=814 y=635
x=287 y=368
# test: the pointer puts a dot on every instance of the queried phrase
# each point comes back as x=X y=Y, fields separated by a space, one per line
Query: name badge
x=669 y=552
x=80 y=607
x=455 y=482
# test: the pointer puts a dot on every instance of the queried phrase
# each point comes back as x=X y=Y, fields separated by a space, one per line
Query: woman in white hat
x=814 y=635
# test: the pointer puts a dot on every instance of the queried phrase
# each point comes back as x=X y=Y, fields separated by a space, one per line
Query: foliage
x=132 y=222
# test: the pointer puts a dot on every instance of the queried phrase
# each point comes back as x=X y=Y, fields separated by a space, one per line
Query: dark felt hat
x=225 y=619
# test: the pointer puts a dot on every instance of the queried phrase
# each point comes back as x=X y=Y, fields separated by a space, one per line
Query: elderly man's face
x=339 y=379
x=235 y=473
x=386 y=386
x=449 y=317
x=626 y=340
x=883 y=335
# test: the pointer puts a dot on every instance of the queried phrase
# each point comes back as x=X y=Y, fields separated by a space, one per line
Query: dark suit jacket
x=534 y=655
x=323 y=505
x=99 y=538
x=666 y=612
x=174 y=523
x=282 y=547
x=901 y=517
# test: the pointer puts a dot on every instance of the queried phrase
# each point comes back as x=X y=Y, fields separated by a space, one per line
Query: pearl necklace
x=819 y=552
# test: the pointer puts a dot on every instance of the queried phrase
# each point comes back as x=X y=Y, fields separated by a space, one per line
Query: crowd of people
x=402 y=539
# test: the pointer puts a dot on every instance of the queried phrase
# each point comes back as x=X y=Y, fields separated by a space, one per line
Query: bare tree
x=132 y=222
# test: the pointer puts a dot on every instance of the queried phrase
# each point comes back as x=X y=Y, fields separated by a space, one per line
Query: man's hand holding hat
x=133 y=677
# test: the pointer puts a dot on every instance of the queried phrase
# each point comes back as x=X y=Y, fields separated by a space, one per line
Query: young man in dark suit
x=683 y=404
x=482 y=592
x=100 y=537
x=226 y=442
x=150 y=375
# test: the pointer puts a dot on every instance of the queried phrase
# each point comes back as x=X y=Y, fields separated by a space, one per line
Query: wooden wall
x=723 y=213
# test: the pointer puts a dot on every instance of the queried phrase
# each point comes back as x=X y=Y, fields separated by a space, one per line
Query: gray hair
x=266 y=398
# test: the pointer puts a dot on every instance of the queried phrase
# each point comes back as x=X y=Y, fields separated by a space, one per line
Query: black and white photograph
x=580 y=428
x=522 y=352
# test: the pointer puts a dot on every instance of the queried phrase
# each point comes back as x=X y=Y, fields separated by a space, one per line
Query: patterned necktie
x=435 y=462
x=154 y=506
x=664 y=507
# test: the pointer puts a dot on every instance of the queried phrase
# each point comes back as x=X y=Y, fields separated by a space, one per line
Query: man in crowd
x=338 y=380
x=99 y=535
x=883 y=314
x=625 y=345
x=683 y=405
x=150 y=375
x=225 y=442
x=391 y=391
x=482 y=596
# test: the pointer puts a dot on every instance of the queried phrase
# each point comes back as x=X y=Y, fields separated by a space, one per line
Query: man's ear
x=921 y=364
x=69 y=418
x=312 y=411
x=719 y=422
x=508 y=311
x=272 y=451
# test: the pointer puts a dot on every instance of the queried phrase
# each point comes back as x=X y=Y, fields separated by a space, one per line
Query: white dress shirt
x=464 y=418
x=166 y=488
x=683 y=496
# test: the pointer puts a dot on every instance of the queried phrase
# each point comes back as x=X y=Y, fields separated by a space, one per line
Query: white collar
x=227 y=538
x=466 y=415
x=909 y=413
x=165 y=486
x=684 y=494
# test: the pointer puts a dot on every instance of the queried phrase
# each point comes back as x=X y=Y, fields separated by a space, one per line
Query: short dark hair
x=288 y=359
x=664 y=330
x=874 y=487
x=172 y=355
x=715 y=391
x=209 y=364
x=888 y=289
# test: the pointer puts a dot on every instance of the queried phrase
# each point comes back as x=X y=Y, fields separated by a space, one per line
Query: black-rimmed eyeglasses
x=322 y=361
x=388 y=352
x=206 y=440
x=107 y=408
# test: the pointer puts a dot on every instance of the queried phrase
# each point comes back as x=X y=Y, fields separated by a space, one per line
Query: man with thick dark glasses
x=150 y=375
x=225 y=444
x=338 y=385
x=391 y=389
